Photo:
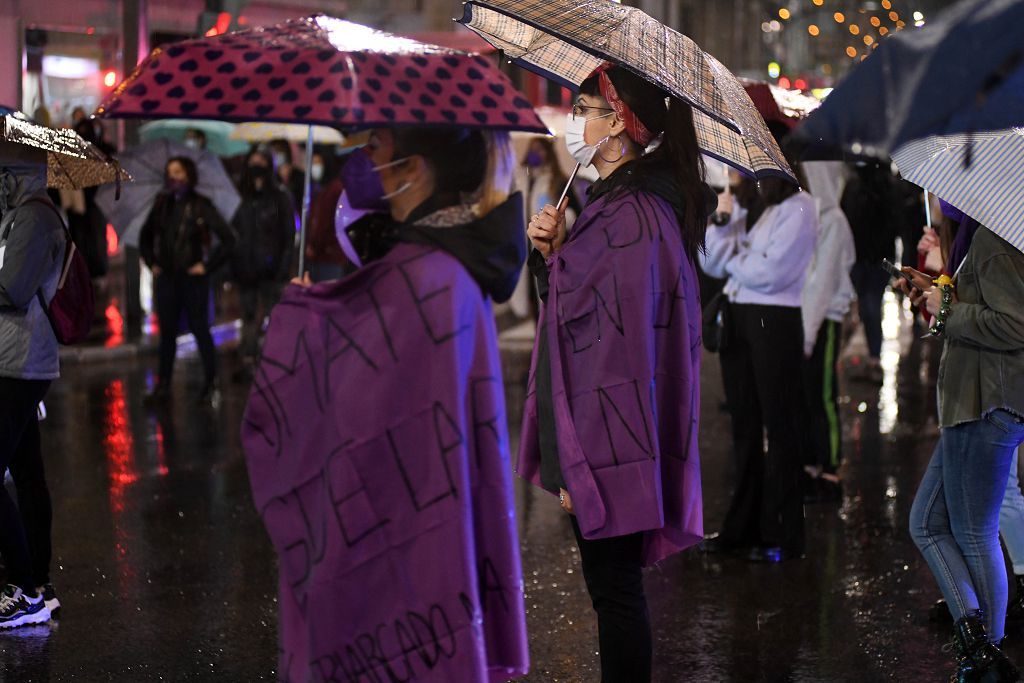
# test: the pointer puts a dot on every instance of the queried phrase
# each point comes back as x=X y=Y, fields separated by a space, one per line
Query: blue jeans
x=955 y=517
x=1011 y=519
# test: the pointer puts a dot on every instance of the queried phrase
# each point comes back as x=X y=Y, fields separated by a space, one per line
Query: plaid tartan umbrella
x=565 y=40
x=71 y=162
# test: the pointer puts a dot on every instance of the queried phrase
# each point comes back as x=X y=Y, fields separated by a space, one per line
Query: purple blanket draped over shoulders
x=623 y=324
x=377 y=448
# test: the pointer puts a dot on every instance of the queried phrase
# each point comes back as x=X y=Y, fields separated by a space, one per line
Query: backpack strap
x=69 y=249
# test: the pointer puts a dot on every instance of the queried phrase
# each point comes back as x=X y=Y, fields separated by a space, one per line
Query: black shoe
x=209 y=396
x=978 y=660
x=161 y=394
x=938 y=613
x=772 y=555
x=716 y=544
x=1015 y=608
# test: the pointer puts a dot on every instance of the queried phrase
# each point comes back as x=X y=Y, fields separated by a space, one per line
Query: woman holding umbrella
x=611 y=419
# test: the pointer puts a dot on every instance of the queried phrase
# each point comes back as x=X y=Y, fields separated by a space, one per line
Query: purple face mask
x=534 y=159
x=362 y=183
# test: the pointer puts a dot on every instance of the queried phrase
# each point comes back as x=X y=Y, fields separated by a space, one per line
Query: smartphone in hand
x=896 y=271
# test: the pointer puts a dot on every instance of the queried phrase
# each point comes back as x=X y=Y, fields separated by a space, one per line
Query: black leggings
x=24 y=535
x=613 y=571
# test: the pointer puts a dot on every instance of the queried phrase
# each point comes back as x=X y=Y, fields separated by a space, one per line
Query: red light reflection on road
x=119 y=444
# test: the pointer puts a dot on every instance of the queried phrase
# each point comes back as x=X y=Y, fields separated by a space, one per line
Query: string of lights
x=864 y=28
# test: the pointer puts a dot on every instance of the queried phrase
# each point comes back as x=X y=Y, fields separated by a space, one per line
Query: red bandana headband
x=637 y=131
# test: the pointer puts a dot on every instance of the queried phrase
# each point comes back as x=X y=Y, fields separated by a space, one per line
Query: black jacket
x=265 y=227
x=180 y=233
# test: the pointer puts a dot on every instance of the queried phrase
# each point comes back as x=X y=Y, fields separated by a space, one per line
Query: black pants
x=256 y=299
x=762 y=376
x=174 y=293
x=613 y=571
x=821 y=393
x=24 y=534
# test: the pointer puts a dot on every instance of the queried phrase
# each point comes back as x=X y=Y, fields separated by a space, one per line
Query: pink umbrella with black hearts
x=321 y=71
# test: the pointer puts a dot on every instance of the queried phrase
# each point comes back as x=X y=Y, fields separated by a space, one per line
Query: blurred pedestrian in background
x=871 y=209
x=956 y=513
x=261 y=259
x=766 y=270
x=324 y=258
x=290 y=176
x=183 y=241
x=827 y=296
x=195 y=139
x=545 y=181
x=632 y=502
x=32 y=247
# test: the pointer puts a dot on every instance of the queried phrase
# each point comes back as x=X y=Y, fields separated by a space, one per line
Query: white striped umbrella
x=978 y=174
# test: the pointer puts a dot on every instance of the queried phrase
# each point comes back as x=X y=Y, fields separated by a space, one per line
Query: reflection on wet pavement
x=166 y=573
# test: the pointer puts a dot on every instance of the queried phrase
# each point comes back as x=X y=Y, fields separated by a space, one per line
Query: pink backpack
x=71 y=309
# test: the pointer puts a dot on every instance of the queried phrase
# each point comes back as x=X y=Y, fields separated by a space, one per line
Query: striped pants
x=821 y=392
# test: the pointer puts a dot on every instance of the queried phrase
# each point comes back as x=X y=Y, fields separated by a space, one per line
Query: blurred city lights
x=819 y=3
x=813 y=30
x=800 y=84
x=894 y=16
x=918 y=16
x=785 y=83
x=784 y=13
x=839 y=17
x=851 y=51
x=110 y=78
x=774 y=69
x=868 y=40
x=776 y=26
x=886 y=4
x=854 y=29
x=883 y=31
x=876 y=22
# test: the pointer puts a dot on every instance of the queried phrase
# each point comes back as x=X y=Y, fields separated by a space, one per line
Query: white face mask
x=317 y=171
x=575 y=142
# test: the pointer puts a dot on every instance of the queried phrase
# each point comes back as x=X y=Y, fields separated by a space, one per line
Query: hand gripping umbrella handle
x=568 y=185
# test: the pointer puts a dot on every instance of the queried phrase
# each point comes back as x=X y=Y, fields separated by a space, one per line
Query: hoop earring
x=622 y=151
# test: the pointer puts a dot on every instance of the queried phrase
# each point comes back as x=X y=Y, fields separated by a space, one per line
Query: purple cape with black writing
x=377 y=448
x=623 y=325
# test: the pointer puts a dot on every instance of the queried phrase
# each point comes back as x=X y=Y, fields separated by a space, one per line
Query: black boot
x=1015 y=608
x=978 y=660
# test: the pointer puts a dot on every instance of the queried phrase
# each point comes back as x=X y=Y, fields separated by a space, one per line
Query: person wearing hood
x=827 y=296
x=611 y=418
x=766 y=270
x=377 y=420
x=265 y=229
x=32 y=248
x=183 y=241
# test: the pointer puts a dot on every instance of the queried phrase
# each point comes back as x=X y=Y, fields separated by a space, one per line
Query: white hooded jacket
x=828 y=290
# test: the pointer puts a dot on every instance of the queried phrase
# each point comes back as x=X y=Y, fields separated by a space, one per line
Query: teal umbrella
x=218 y=134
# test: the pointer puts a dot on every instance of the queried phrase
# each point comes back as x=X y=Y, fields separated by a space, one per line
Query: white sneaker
x=17 y=609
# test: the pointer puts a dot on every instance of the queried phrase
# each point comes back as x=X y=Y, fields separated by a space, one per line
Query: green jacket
x=982 y=367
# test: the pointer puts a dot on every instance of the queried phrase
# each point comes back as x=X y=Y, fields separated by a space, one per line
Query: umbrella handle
x=927 y=210
x=305 y=202
x=568 y=185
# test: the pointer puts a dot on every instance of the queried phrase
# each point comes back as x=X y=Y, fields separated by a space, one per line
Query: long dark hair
x=190 y=170
x=678 y=150
x=464 y=161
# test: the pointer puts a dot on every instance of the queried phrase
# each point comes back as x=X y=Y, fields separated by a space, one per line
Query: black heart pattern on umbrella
x=249 y=75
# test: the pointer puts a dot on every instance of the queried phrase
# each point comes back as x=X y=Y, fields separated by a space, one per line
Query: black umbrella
x=962 y=72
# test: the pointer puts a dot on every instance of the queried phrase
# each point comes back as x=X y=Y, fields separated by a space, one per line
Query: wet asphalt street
x=166 y=573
